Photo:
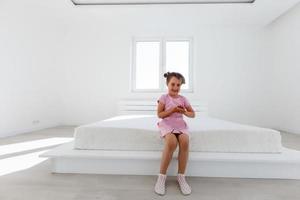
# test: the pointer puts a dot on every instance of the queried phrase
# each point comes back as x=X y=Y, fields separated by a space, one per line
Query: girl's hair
x=177 y=75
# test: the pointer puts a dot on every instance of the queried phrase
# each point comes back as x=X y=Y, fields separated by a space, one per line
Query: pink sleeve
x=186 y=102
x=162 y=99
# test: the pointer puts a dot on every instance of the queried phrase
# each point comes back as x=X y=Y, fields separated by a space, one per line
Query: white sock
x=184 y=187
x=160 y=186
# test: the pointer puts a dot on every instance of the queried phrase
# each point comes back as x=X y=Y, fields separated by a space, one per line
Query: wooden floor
x=36 y=182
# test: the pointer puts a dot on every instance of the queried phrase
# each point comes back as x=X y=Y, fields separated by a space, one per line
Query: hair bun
x=166 y=74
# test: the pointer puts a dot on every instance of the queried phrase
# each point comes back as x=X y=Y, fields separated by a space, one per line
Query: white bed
x=132 y=146
x=140 y=132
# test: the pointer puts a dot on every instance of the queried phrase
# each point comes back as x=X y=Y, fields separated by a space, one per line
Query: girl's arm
x=162 y=113
x=189 y=112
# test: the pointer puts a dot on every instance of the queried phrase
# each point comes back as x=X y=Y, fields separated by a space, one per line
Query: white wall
x=285 y=62
x=228 y=62
x=30 y=75
x=70 y=65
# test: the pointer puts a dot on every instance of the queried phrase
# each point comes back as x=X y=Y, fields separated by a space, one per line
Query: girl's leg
x=169 y=148
x=183 y=154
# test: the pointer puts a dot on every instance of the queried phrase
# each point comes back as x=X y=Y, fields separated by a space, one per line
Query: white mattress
x=140 y=132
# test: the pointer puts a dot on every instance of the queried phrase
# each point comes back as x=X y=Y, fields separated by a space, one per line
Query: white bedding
x=140 y=132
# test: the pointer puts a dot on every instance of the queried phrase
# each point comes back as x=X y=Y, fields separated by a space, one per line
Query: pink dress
x=174 y=123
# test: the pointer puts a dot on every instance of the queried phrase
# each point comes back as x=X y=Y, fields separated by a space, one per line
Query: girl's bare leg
x=183 y=154
x=169 y=148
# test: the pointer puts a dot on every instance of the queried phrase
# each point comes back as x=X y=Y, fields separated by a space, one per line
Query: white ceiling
x=259 y=13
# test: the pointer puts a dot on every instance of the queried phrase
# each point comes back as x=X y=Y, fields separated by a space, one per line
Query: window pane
x=147 y=65
x=177 y=59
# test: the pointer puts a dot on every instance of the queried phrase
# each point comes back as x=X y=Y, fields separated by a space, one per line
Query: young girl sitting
x=174 y=131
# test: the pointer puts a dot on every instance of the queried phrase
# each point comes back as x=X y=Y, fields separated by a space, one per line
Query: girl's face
x=174 y=86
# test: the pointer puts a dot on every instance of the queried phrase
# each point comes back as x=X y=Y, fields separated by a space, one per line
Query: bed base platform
x=285 y=165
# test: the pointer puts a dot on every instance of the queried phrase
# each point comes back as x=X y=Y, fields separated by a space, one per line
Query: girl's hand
x=179 y=109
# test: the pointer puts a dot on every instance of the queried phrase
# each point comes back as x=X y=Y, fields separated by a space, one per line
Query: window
x=147 y=65
x=152 y=57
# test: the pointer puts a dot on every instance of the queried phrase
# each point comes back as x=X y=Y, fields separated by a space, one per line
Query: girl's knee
x=171 y=142
x=184 y=141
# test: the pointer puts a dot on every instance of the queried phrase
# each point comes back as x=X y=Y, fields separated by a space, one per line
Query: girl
x=173 y=129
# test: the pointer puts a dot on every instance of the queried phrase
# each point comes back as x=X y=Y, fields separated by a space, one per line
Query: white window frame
x=162 y=64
